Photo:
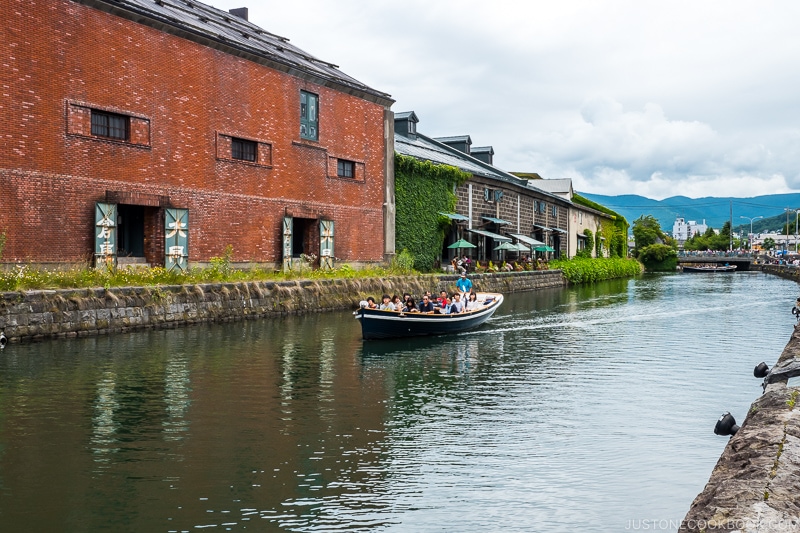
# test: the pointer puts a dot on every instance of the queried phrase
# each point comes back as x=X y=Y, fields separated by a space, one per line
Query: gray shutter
x=176 y=242
x=105 y=235
x=287 y=243
x=326 y=244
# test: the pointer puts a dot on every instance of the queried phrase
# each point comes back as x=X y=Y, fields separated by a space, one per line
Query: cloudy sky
x=694 y=98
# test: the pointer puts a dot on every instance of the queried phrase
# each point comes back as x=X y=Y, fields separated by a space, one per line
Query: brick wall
x=61 y=59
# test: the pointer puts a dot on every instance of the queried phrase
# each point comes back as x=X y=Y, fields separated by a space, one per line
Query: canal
x=584 y=409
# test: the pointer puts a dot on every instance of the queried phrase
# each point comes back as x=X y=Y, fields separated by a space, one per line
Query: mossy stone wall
x=70 y=312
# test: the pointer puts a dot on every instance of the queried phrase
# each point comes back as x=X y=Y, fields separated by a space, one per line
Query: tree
x=647 y=231
x=768 y=244
x=654 y=248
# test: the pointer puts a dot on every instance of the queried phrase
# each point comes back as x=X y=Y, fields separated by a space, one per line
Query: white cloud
x=683 y=97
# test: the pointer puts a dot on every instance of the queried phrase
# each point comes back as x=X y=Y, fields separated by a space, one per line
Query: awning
x=496 y=220
x=559 y=230
x=526 y=239
x=491 y=235
x=454 y=216
x=545 y=228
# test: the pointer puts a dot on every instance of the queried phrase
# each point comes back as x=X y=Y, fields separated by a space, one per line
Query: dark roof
x=481 y=149
x=429 y=149
x=454 y=139
x=224 y=31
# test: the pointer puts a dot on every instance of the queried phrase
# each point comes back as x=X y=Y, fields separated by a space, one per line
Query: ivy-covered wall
x=615 y=233
x=422 y=191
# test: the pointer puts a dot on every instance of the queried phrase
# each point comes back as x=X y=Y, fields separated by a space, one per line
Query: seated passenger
x=441 y=301
x=456 y=306
x=472 y=302
x=411 y=306
x=371 y=303
x=426 y=306
x=387 y=303
x=398 y=305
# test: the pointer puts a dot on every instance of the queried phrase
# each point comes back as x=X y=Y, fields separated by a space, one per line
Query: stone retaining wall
x=755 y=484
x=71 y=312
x=784 y=271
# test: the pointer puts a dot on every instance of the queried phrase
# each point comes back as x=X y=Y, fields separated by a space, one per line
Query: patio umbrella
x=461 y=243
x=507 y=246
x=544 y=249
x=522 y=248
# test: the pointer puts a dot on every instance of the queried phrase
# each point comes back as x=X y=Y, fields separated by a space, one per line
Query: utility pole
x=730 y=244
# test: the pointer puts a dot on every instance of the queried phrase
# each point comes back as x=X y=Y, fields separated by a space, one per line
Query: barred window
x=244 y=150
x=345 y=168
x=110 y=125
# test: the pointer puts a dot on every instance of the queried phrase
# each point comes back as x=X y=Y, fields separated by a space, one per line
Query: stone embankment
x=755 y=484
x=78 y=312
x=784 y=271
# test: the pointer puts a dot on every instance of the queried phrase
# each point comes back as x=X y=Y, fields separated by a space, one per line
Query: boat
x=377 y=324
x=709 y=268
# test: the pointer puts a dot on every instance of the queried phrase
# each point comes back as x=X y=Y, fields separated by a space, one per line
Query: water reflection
x=569 y=410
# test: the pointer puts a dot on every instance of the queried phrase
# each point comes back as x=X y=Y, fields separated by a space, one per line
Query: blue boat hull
x=388 y=325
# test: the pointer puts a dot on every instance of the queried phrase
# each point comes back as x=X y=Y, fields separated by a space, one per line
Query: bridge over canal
x=742 y=262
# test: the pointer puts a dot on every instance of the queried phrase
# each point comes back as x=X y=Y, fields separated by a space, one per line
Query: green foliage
x=710 y=240
x=616 y=232
x=586 y=253
x=2 y=242
x=221 y=266
x=658 y=258
x=590 y=270
x=422 y=191
x=403 y=262
x=646 y=232
x=25 y=277
x=768 y=244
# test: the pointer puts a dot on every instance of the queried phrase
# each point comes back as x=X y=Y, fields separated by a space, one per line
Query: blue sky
x=624 y=97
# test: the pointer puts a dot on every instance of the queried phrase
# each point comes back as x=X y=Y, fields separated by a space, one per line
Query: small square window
x=244 y=150
x=110 y=125
x=345 y=168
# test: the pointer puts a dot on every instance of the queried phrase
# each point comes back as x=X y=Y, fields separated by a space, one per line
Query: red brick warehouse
x=166 y=130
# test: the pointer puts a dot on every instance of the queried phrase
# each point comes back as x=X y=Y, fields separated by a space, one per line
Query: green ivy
x=587 y=251
x=616 y=232
x=422 y=191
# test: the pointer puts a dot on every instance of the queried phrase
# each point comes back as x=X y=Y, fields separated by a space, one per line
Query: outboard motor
x=726 y=425
x=3 y=340
x=761 y=370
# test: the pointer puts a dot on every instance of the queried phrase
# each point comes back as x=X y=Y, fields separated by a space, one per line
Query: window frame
x=342 y=165
x=309 y=116
x=102 y=121
x=244 y=148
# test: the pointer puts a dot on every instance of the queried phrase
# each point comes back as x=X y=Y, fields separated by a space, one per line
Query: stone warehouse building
x=163 y=131
x=494 y=206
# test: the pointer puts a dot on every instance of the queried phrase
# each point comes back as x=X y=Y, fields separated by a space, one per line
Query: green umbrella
x=507 y=246
x=544 y=249
x=461 y=243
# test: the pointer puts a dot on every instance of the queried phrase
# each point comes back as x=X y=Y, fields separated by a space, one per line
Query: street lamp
x=750 y=237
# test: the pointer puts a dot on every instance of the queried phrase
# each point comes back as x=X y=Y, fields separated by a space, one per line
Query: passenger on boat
x=398 y=305
x=371 y=303
x=387 y=304
x=426 y=306
x=411 y=306
x=456 y=305
x=441 y=301
x=472 y=302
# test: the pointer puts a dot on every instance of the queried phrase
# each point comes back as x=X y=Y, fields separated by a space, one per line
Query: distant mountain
x=715 y=211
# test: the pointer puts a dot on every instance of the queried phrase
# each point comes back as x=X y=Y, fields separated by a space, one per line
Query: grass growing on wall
x=422 y=191
x=585 y=270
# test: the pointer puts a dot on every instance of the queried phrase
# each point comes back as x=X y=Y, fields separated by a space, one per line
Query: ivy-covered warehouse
x=446 y=190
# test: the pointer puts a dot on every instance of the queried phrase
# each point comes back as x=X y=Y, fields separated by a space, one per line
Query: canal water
x=585 y=409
